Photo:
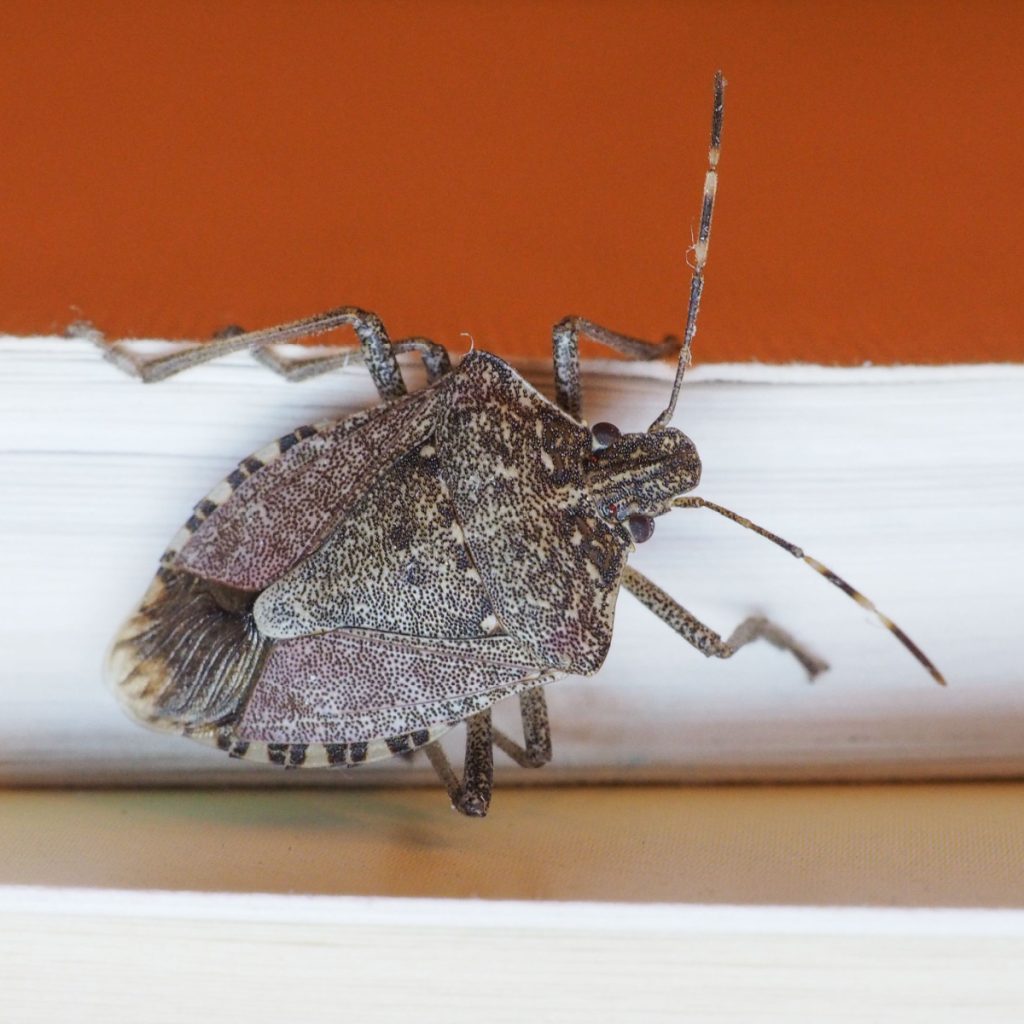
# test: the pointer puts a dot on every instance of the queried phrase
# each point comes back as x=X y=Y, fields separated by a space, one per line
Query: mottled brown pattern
x=280 y=513
x=394 y=573
x=420 y=582
x=599 y=547
x=350 y=686
x=515 y=467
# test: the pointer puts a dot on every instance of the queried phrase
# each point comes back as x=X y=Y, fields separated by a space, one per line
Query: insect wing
x=352 y=686
x=397 y=562
x=278 y=505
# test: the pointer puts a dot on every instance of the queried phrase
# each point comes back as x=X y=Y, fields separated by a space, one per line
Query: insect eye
x=642 y=528
x=605 y=433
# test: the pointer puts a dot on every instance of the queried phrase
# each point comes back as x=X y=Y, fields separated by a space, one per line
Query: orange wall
x=171 y=167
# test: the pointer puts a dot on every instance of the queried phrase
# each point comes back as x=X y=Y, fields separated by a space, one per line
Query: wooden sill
x=655 y=904
x=920 y=845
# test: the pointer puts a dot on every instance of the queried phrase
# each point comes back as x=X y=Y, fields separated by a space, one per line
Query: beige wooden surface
x=722 y=904
x=918 y=845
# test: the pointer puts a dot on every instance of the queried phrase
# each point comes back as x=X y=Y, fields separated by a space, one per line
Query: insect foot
x=357 y=588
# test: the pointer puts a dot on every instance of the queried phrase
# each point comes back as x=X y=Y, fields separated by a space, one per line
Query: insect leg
x=471 y=796
x=376 y=349
x=705 y=639
x=435 y=360
x=536 y=731
x=565 y=349
x=565 y=335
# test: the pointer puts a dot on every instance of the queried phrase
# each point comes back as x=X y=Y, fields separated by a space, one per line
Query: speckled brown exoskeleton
x=357 y=588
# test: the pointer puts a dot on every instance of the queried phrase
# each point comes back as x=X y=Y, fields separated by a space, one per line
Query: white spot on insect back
x=220 y=493
x=489 y=625
x=179 y=540
x=549 y=463
x=269 y=452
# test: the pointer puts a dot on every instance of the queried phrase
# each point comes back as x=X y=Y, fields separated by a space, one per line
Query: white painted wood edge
x=536 y=915
x=122 y=957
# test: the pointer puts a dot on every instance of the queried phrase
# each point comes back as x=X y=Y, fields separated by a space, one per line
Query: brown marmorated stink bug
x=356 y=588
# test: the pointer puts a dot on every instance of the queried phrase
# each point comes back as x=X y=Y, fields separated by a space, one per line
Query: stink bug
x=357 y=588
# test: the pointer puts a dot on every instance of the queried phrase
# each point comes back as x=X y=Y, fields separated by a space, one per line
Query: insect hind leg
x=756 y=627
x=536 y=732
x=470 y=795
x=375 y=349
x=705 y=639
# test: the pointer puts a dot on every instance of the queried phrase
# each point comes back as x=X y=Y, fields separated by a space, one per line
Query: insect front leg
x=705 y=639
x=472 y=795
x=375 y=349
x=536 y=732
x=566 y=353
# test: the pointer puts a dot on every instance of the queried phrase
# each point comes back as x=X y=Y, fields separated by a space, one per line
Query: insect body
x=357 y=588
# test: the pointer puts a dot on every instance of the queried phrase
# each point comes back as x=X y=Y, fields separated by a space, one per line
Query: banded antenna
x=824 y=570
x=700 y=251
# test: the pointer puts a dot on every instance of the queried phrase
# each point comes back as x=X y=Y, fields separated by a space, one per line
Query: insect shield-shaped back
x=358 y=587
